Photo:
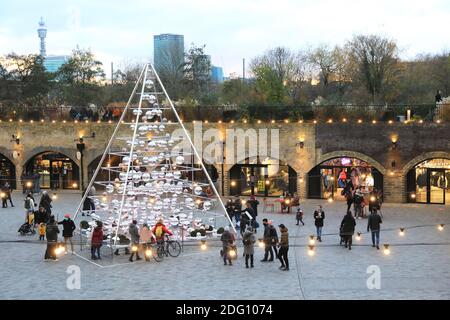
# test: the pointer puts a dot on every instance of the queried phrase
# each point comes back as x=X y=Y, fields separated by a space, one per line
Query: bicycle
x=167 y=247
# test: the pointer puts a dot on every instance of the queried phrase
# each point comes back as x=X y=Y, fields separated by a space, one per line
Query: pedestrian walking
x=230 y=208
x=51 y=233
x=97 y=241
x=7 y=190
x=358 y=199
x=146 y=236
x=247 y=216
x=28 y=204
x=249 y=240
x=319 y=216
x=373 y=224
x=348 y=193
x=46 y=202
x=348 y=229
x=68 y=229
x=237 y=208
x=227 y=239
x=254 y=204
x=88 y=204
x=299 y=216
x=270 y=241
x=284 y=248
x=134 y=234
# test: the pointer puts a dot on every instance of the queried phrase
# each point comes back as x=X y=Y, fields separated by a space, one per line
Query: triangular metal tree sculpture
x=142 y=176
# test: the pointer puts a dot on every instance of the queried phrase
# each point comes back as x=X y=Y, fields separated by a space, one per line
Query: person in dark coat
x=227 y=239
x=249 y=240
x=134 y=234
x=254 y=203
x=237 y=210
x=348 y=193
x=68 y=229
x=373 y=224
x=88 y=204
x=348 y=229
x=41 y=216
x=438 y=96
x=51 y=233
x=284 y=248
x=8 y=191
x=97 y=241
x=247 y=216
x=229 y=206
x=319 y=216
x=270 y=241
x=46 y=202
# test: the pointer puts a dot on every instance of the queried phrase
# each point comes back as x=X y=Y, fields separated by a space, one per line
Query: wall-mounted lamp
x=15 y=139
x=300 y=143
x=394 y=143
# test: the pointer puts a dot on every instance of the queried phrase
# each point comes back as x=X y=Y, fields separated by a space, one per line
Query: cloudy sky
x=118 y=30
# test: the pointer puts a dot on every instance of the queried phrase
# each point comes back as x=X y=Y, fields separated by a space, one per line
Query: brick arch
x=425 y=156
x=7 y=153
x=350 y=154
x=70 y=153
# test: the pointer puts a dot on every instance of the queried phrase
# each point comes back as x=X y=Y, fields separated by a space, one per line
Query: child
x=42 y=228
x=299 y=216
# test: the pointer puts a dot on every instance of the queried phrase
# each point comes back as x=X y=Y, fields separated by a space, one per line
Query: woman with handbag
x=249 y=246
x=227 y=239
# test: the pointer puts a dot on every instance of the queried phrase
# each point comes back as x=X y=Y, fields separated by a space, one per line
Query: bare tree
x=324 y=60
x=280 y=71
x=170 y=68
x=377 y=62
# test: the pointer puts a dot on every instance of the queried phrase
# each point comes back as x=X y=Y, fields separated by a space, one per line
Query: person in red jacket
x=97 y=241
x=160 y=230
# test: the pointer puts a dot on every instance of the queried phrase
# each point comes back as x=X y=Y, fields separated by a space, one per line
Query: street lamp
x=80 y=147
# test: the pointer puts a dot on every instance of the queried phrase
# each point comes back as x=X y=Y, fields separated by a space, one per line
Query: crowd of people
x=243 y=213
x=245 y=220
x=94 y=113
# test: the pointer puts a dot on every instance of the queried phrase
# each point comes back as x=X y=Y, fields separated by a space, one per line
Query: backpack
x=159 y=231
x=27 y=203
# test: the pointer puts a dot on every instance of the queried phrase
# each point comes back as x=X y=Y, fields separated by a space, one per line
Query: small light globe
x=179 y=160
x=198 y=190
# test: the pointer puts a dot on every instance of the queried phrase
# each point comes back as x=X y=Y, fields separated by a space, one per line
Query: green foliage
x=268 y=85
x=24 y=79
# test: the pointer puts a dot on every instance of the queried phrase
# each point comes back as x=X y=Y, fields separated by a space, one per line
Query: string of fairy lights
x=244 y=121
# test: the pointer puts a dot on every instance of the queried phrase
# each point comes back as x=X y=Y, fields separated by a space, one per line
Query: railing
x=423 y=112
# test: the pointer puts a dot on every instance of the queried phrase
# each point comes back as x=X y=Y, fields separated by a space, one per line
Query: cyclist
x=160 y=230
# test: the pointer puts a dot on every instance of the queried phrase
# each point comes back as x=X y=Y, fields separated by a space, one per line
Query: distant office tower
x=216 y=74
x=53 y=63
x=42 y=33
x=168 y=53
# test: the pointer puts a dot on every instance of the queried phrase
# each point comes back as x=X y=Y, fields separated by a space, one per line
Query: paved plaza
x=417 y=267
